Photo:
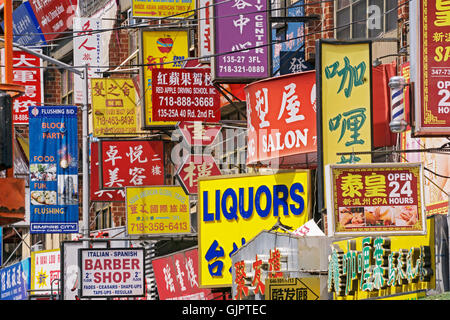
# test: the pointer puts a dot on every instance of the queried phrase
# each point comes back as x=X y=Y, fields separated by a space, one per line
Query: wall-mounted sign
x=281 y=117
x=53 y=169
x=292 y=289
x=15 y=281
x=184 y=95
x=195 y=133
x=45 y=271
x=243 y=27
x=205 y=14
x=375 y=199
x=372 y=267
x=161 y=49
x=195 y=167
x=157 y=210
x=234 y=209
x=162 y=9
x=26 y=28
x=113 y=107
x=430 y=69
x=118 y=272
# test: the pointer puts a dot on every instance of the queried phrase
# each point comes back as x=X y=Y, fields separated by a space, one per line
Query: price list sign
x=184 y=95
x=379 y=198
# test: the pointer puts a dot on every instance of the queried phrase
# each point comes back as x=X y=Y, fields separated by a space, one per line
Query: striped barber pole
x=398 y=123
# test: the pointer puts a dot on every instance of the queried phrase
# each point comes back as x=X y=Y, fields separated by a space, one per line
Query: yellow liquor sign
x=160 y=49
x=157 y=210
x=234 y=209
x=113 y=107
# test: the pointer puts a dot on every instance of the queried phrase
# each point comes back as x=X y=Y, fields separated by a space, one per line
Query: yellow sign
x=374 y=267
x=346 y=102
x=234 y=209
x=292 y=289
x=163 y=9
x=45 y=271
x=161 y=49
x=113 y=107
x=157 y=210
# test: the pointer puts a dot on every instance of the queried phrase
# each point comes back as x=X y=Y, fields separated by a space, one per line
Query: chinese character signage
x=45 y=271
x=131 y=163
x=27 y=72
x=53 y=169
x=293 y=289
x=195 y=133
x=379 y=266
x=55 y=16
x=15 y=281
x=162 y=9
x=176 y=277
x=243 y=27
x=281 y=117
x=184 y=95
x=97 y=193
x=113 y=107
x=115 y=272
x=233 y=210
x=346 y=104
x=430 y=52
x=194 y=167
x=157 y=210
x=87 y=50
x=205 y=14
x=375 y=199
x=161 y=49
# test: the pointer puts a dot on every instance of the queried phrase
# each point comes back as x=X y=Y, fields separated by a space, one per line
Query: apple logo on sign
x=165 y=44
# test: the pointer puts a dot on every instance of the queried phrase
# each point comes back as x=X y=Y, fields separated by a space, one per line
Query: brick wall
x=318 y=29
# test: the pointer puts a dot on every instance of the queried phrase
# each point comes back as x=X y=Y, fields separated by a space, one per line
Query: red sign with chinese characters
x=177 y=277
x=378 y=198
x=184 y=95
x=131 y=163
x=197 y=134
x=194 y=167
x=281 y=117
x=26 y=72
x=433 y=72
x=97 y=193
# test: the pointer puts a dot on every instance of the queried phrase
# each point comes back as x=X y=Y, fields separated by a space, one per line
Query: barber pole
x=398 y=123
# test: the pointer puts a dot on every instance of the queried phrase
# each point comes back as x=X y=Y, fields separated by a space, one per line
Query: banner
x=430 y=69
x=176 y=277
x=243 y=27
x=53 y=169
x=115 y=272
x=234 y=209
x=373 y=199
x=162 y=9
x=87 y=50
x=113 y=107
x=15 y=281
x=281 y=117
x=161 y=49
x=184 y=95
x=157 y=210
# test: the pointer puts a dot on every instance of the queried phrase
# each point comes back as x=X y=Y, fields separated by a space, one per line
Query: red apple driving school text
x=112 y=272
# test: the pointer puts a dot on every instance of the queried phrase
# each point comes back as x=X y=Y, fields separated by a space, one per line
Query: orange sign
x=281 y=115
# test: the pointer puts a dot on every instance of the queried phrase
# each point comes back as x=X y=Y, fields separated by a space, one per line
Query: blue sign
x=53 y=169
x=26 y=28
x=294 y=62
x=15 y=281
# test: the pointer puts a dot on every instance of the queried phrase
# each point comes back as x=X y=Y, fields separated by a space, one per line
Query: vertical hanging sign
x=430 y=68
x=53 y=169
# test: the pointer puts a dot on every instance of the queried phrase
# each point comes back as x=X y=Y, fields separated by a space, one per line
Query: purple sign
x=242 y=27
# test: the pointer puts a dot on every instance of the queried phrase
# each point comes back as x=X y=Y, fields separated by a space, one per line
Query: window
x=356 y=19
x=103 y=219
x=66 y=87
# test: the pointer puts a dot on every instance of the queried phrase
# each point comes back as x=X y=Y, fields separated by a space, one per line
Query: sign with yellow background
x=346 y=77
x=113 y=107
x=164 y=49
x=234 y=209
x=157 y=210
x=163 y=9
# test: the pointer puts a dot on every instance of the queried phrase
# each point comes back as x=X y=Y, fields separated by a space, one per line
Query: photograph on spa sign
x=375 y=198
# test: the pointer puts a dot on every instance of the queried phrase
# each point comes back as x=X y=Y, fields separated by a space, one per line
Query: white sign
x=112 y=272
x=86 y=51
x=205 y=13
x=309 y=229
x=45 y=270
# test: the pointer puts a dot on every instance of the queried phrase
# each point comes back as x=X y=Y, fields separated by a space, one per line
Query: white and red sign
x=177 y=277
x=194 y=167
x=131 y=163
x=112 y=272
x=197 y=134
x=27 y=72
x=281 y=117
x=184 y=95
x=205 y=13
